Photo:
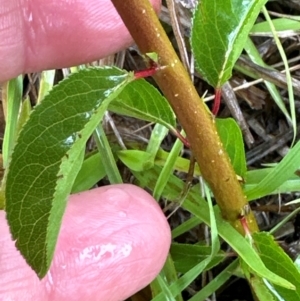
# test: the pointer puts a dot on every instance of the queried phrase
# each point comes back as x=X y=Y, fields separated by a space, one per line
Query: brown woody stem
x=192 y=113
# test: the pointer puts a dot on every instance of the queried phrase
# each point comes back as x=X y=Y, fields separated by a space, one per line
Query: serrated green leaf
x=141 y=100
x=277 y=261
x=48 y=156
x=232 y=139
x=219 y=31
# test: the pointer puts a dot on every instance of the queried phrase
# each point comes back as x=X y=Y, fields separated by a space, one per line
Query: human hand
x=113 y=240
x=38 y=35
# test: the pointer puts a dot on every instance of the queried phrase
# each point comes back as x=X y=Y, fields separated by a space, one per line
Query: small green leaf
x=232 y=139
x=46 y=84
x=277 y=261
x=13 y=100
x=141 y=100
x=92 y=171
x=181 y=164
x=109 y=162
x=48 y=156
x=219 y=32
x=24 y=114
x=136 y=160
x=152 y=56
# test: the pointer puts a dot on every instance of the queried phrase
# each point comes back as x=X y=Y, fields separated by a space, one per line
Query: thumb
x=113 y=241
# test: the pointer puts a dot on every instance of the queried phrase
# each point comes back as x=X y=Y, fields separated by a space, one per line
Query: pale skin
x=114 y=240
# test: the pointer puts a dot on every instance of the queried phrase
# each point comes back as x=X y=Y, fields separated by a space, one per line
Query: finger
x=113 y=241
x=39 y=35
